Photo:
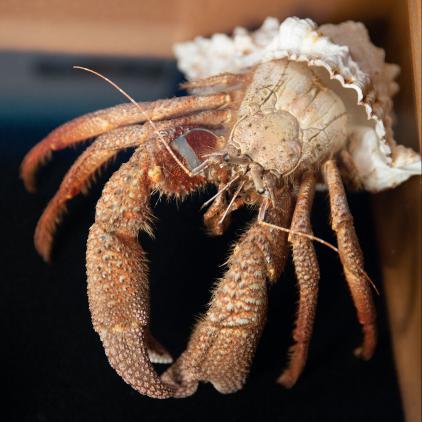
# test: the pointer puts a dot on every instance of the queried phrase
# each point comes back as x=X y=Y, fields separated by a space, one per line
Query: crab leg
x=77 y=180
x=351 y=258
x=118 y=290
x=224 y=341
x=101 y=151
x=96 y=123
x=221 y=80
x=349 y=171
x=307 y=273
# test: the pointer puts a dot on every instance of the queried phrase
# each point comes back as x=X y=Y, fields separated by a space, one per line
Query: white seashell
x=354 y=67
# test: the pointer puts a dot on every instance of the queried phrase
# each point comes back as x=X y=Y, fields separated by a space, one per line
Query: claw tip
x=286 y=380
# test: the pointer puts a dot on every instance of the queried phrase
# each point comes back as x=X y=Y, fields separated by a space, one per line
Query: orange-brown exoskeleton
x=264 y=135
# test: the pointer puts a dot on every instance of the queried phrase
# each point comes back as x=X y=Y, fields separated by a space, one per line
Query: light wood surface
x=151 y=27
x=398 y=227
x=398 y=217
x=415 y=26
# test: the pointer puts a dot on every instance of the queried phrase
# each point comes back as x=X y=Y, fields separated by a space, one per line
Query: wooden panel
x=151 y=27
x=398 y=225
x=398 y=222
x=415 y=17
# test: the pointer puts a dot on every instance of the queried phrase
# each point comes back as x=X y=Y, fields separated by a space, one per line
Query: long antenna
x=166 y=145
x=232 y=202
x=307 y=235
x=316 y=239
x=223 y=189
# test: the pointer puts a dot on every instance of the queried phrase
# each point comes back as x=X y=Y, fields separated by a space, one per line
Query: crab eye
x=194 y=144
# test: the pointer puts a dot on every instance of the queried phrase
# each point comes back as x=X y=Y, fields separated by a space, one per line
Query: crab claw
x=119 y=302
x=118 y=288
x=224 y=341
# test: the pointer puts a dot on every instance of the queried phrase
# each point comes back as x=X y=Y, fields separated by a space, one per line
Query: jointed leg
x=223 y=80
x=352 y=259
x=224 y=341
x=78 y=179
x=94 y=124
x=118 y=290
x=307 y=273
x=349 y=171
x=104 y=148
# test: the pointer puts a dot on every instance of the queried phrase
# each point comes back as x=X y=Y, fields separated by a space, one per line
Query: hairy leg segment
x=224 y=341
x=96 y=156
x=307 y=274
x=116 y=267
x=352 y=259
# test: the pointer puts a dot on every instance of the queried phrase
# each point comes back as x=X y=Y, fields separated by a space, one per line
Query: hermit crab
x=272 y=115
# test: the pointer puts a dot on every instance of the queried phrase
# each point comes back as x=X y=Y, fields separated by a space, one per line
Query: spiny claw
x=119 y=302
x=118 y=288
x=224 y=341
x=128 y=355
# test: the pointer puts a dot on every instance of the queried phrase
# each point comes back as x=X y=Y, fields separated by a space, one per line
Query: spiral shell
x=344 y=57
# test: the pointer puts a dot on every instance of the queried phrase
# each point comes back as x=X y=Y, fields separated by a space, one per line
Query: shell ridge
x=346 y=53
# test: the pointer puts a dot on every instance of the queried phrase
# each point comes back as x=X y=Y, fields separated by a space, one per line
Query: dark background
x=54 y=367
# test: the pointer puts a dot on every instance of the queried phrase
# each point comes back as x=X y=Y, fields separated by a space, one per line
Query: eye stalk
x=192 y=145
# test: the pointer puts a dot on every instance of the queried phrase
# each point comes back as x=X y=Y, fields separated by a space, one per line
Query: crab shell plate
x=346 y=60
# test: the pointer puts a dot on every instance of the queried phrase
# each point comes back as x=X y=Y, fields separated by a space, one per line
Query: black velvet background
x=54 y=367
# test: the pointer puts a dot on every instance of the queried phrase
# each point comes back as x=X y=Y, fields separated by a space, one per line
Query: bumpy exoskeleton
x=265 y=132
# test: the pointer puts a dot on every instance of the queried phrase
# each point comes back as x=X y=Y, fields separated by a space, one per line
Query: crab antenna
x=223 y=189
x=307 y=235
x=317 y=239
x=114 y=85
x=232 y=202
